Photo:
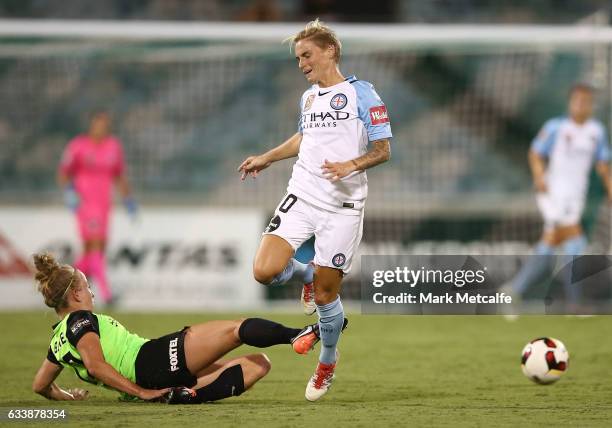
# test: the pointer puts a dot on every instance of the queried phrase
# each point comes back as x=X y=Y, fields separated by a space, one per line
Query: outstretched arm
x=253 y=164
x=603 y=170
x=44 y=384
x=91 y=351
x=379 y=153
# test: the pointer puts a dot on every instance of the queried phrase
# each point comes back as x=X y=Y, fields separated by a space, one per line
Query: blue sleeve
x=602 y=153
x=544 y=141
x=372 y=111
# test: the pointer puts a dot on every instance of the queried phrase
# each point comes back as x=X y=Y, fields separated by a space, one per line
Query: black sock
x=229 y=383
x=263 y=333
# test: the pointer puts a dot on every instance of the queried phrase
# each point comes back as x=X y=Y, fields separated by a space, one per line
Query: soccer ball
x=544 y=360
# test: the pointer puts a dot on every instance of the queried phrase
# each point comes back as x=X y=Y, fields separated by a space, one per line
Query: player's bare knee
x=263 y=274
x=263 y=364
x=255 y=367
x=36 y=388
x=236 y=328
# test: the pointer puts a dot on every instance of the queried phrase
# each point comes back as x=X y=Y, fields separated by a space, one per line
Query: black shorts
x=161 y=363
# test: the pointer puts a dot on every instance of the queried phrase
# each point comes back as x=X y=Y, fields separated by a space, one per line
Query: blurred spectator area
x=409 y=11
x=188 y=113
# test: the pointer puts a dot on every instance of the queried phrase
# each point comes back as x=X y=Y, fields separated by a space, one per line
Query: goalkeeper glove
x=71 y=198
x=131 y=206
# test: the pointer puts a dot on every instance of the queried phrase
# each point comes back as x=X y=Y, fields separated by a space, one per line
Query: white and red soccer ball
x=544 y=360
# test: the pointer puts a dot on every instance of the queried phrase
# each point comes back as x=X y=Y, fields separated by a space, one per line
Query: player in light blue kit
x=343 y=130
x=561 y=158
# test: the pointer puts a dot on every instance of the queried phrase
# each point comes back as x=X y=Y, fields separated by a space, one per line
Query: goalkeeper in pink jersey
x=91 y=163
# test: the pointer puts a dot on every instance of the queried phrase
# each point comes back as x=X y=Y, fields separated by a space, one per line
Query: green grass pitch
x=393 y=371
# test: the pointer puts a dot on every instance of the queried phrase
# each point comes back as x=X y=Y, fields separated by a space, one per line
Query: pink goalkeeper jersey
x=93 y=168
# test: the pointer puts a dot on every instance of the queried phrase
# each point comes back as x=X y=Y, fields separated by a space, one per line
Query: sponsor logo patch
x=173 y=354
x=79 y=325
x=274 y=224
x=339 y=259
x=338 y=101
x=379 y=115
x=92 y=224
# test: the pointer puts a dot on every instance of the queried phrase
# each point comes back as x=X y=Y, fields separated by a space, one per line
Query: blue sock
x=575 y=246
x=571 y=248
x=302 y=272
x=534 y=268
x=331 y=318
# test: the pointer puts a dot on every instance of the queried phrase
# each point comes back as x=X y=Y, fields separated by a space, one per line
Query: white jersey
x=571 y=150
x=336 y=124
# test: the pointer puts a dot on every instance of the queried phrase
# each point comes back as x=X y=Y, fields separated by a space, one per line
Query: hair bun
x=45 y=265
x=54 y=279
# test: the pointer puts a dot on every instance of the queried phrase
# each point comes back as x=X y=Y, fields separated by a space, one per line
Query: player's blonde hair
x=582 y=87
x=321 y=35
x=54 y=280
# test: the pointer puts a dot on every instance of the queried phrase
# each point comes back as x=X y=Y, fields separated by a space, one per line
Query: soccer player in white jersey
x=561 y=158
x=343 y=130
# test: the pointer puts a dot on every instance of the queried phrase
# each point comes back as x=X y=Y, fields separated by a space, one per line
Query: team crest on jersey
x=339 y=259
x=308 y=102
x=338 y=101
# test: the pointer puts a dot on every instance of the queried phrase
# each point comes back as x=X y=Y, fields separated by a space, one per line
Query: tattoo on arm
x=379 y=153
